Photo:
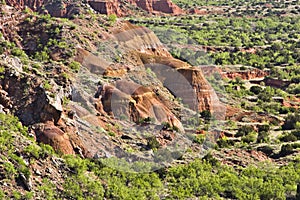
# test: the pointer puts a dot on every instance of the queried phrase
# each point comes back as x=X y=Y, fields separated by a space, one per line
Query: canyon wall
x=151 y=6
x=108 y=7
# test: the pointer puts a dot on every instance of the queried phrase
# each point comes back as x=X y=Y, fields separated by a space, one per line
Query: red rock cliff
x=56 y=9
x=184 y=81
x=33 y=4
x=107 y=7
x=151 y=6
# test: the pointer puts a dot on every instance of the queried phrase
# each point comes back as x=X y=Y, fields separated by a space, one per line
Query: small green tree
x=206 y=114
x=244 y=130
x=256 y=89
x=112 y=18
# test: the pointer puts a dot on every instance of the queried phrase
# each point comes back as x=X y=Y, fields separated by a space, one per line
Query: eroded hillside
x=87 y=100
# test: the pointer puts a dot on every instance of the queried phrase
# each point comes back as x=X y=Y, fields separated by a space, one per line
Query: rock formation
x=25 y=96
x=151 y=6
x=181 y=79
x=135 y=102
x=141 y=85
x=185 y=82
x=108 y=7
x=246 y=74
x=55 y=9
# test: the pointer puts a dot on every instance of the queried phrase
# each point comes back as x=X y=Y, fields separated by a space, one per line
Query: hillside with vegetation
x=198 y=104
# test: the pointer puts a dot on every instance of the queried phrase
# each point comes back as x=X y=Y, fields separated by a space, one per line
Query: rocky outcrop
x=24 y=95
x=33 y=4
x=54 y=8
x=246 y=74
x=48 y=133
x=106 y=7
x=166 y=6
x=273 y=82
x=66 y=142
x=135 y=102
x=241 y=157
x=276 y=82
x=142 y=48
x=134 y=38
x=185 y=82
x=197 y=11
x=151 y=6
x=130 y=91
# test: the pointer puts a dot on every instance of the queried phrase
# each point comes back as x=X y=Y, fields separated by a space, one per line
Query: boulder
x=48 y=133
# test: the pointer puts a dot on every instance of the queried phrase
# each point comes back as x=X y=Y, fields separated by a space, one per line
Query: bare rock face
x=50 y=134
x=66 y=142
x=166 y=6
x=55 y=9
x=135 y=102
x=246 y=74
x=140 y=39
x=185 y=82
x=106 y=7
x=33 y=4
x=151 y=6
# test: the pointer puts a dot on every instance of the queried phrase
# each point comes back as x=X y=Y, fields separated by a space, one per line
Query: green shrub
x=263 y=136
x=264 y=128
x=256 y=89
x=36 y=65
x=291 y=121
x=18 y=52
x=16 y=195
x=29 y=195
x=76 y=164
x=2 y=195
x=47 y=189
x=199 y=139
x=250 y=138
x=46 y=150
x=225 y=142
x=47 y=85
x=244 y=130
x=286 y=149
x=296 y=133
x=206 y=114
x=288 y=137
x=152 y=143
x=112 y=18
x=83 y=187
x=10 y=170
x=75 y=66
x=266 y=149
x=42 y=56
x=33 y=150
